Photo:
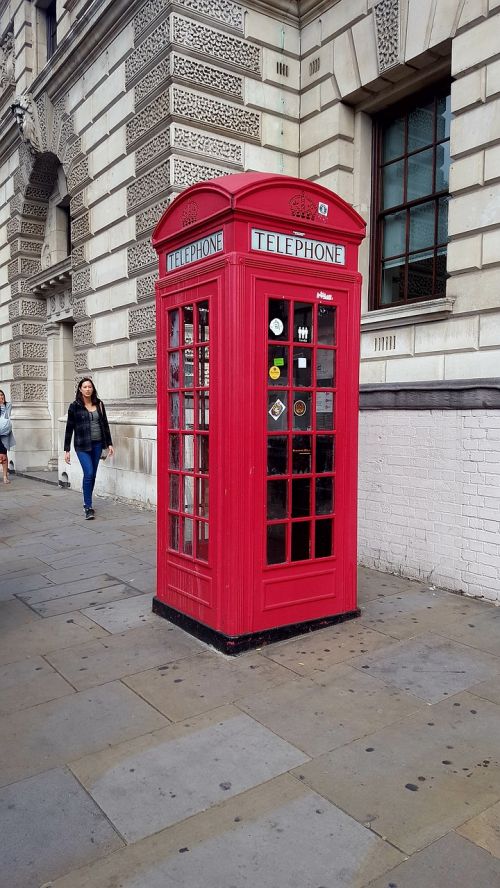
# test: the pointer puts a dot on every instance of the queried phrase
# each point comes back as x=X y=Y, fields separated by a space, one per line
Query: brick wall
x=429 y=497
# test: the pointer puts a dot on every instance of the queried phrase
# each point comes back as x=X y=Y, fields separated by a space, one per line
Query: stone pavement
x=365 y=755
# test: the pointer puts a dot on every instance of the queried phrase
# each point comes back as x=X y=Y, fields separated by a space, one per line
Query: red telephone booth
x=258 y=304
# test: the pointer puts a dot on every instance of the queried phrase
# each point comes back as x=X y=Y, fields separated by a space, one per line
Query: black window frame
x=51 y=28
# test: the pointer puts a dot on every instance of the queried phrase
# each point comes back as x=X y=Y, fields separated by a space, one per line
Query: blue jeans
x=89 y=462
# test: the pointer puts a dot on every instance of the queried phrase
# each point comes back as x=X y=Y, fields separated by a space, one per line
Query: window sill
x=402 y=315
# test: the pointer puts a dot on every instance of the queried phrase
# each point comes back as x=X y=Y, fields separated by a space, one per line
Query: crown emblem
x=189 y=213
x=302 y=207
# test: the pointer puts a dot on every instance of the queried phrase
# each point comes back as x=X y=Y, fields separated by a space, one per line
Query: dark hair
x=4 y=396
x=79 y=397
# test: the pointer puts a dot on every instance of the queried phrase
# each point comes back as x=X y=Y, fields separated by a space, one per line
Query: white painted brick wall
x=429 y=496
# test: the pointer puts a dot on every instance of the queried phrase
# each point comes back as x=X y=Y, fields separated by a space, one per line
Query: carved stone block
x=146 y=350
x=80 y=309
x=142 y=383
x=27 y=308
x=207 y=76
x=387 y=28
x=151 y=81
x=23 y=267
x=30 y=371
x=78 y=256
x=147 y=219
x=81 y=281
x=216 y=113
x=187 y=172
x=80 y=227
x=36 y=351
x=216 y=44
x=224 y=11
x=83 y=334
x=145 y=286
x=27 y=330
x=142 y=320
x=141 y=256
x=148 y=187
x=155 y=147
x=78 y=203
x=152 y=47
x=199 y=142
x=79 y=176
x=81 y=362
x=29 y=391
x=151 y=116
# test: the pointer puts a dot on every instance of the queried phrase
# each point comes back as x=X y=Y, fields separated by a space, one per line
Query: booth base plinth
x=237 y=644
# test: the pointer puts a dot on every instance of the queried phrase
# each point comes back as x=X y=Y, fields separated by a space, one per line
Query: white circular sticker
x=276 y=326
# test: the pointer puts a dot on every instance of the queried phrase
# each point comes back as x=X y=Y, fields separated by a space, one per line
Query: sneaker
x=89 y=514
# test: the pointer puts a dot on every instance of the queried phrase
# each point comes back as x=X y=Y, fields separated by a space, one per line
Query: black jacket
x=79 y=424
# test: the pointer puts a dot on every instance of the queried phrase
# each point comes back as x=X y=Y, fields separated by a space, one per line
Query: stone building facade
x=108 y=109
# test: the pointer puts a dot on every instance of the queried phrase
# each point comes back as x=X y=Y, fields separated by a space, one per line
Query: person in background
x=88 y=422
x=7 y=439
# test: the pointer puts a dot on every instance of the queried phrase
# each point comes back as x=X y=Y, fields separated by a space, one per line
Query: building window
x=51 y=23
x=412 y=159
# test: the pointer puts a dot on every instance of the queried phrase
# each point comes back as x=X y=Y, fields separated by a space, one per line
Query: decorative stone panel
x=207 y=76
x=147 y=219
x=216 y=44
x=78 y=256
x=80 y=309
x=29 y=391
x=23 y=267
x=141 y=320
x=156 y=146
x=81 y=281
x=142 y=383
x=187 y=172
x=81 y=362
x=77 y=203
x=30 y=371
x=387 y=28
x=146 y=120
x=17 y=288
x=152 y=47
x=20 y=246
x=223 y=11
x=60 y=305
x=29 y=350
x=18 y=225
x=27 y=330
x=215 y=113
x=151 y=82
x=83 y=334
x=79 y=176
x=27 y=308
x=27 y=208
x=145 y=286
x=148 y=187
x=141 y=256
x=199 y=142
x=146 y=350
x=80 y=227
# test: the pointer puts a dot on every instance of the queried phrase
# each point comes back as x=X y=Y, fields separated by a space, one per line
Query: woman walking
x=7 y=439
x=88 y=421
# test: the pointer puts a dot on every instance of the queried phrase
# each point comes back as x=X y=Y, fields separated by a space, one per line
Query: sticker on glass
x=299 y=408
x=274 y=372
x=277 y=409
x=276 y=326
x=279 y=362
x=303 y=334
x=322 y=209
x=301 y=363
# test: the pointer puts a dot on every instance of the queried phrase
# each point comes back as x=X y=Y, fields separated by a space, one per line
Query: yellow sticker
x=274 y=372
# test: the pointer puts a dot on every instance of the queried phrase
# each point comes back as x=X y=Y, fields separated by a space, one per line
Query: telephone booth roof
x=284 y=199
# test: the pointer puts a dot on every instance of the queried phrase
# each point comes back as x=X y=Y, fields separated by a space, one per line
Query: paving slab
x=374 y=584
x=15 y=613
x=452 y=862
x=345 y=706
x=118 y=616
x=50 y=735
x=419 y=778
x=15 y=585
x=490 y=690
x=319 y=650
x=29 y=682
x=144 y=579
x=63 y=590
x=278 y=835
x=431 y=667
x=83 y=600
x=50 y=826
x=205 y=681
x=117 y=656
x=164 y=777
x=43 y=636
x=91 y=569
x=484 y=830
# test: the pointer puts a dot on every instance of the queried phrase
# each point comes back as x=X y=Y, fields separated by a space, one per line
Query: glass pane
x=173 y=328
x=276 y=543
x=203 y=321
x=394 y=234
x=442 y=232
x=302 y=417
x=202 y=540
x=442 y=166
x=301 y=454
x=188 y=458
x=277 y=358
x=324 y=496
x=325 y=372
x=392 y=184
x=394 y=139
x=277 y=418
x=420 y=269
x=393 y=281
x=188 y=494
x=173 y=401
x=203 y=497
x=441 y=276
x=326 y=325
x=173 y=370
x=443 y=117
x=278 y=319
x=323 y=538
x=277 y=455
x=420 y=170
x=188 y=411
x=302 y=322
x=301 y=497
x=324 y=411
x=173 y=534
x=300 y=540
x=173 y=492
x=202 y=441
x=421 y=127
x=302 y=361
x=203 y=410
x=422 y=221
x=324 y=453
x=187 y=317
x=187 y=540
x=174 y=452
x=203 y=366
x=276 y=499
x=187 y=362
